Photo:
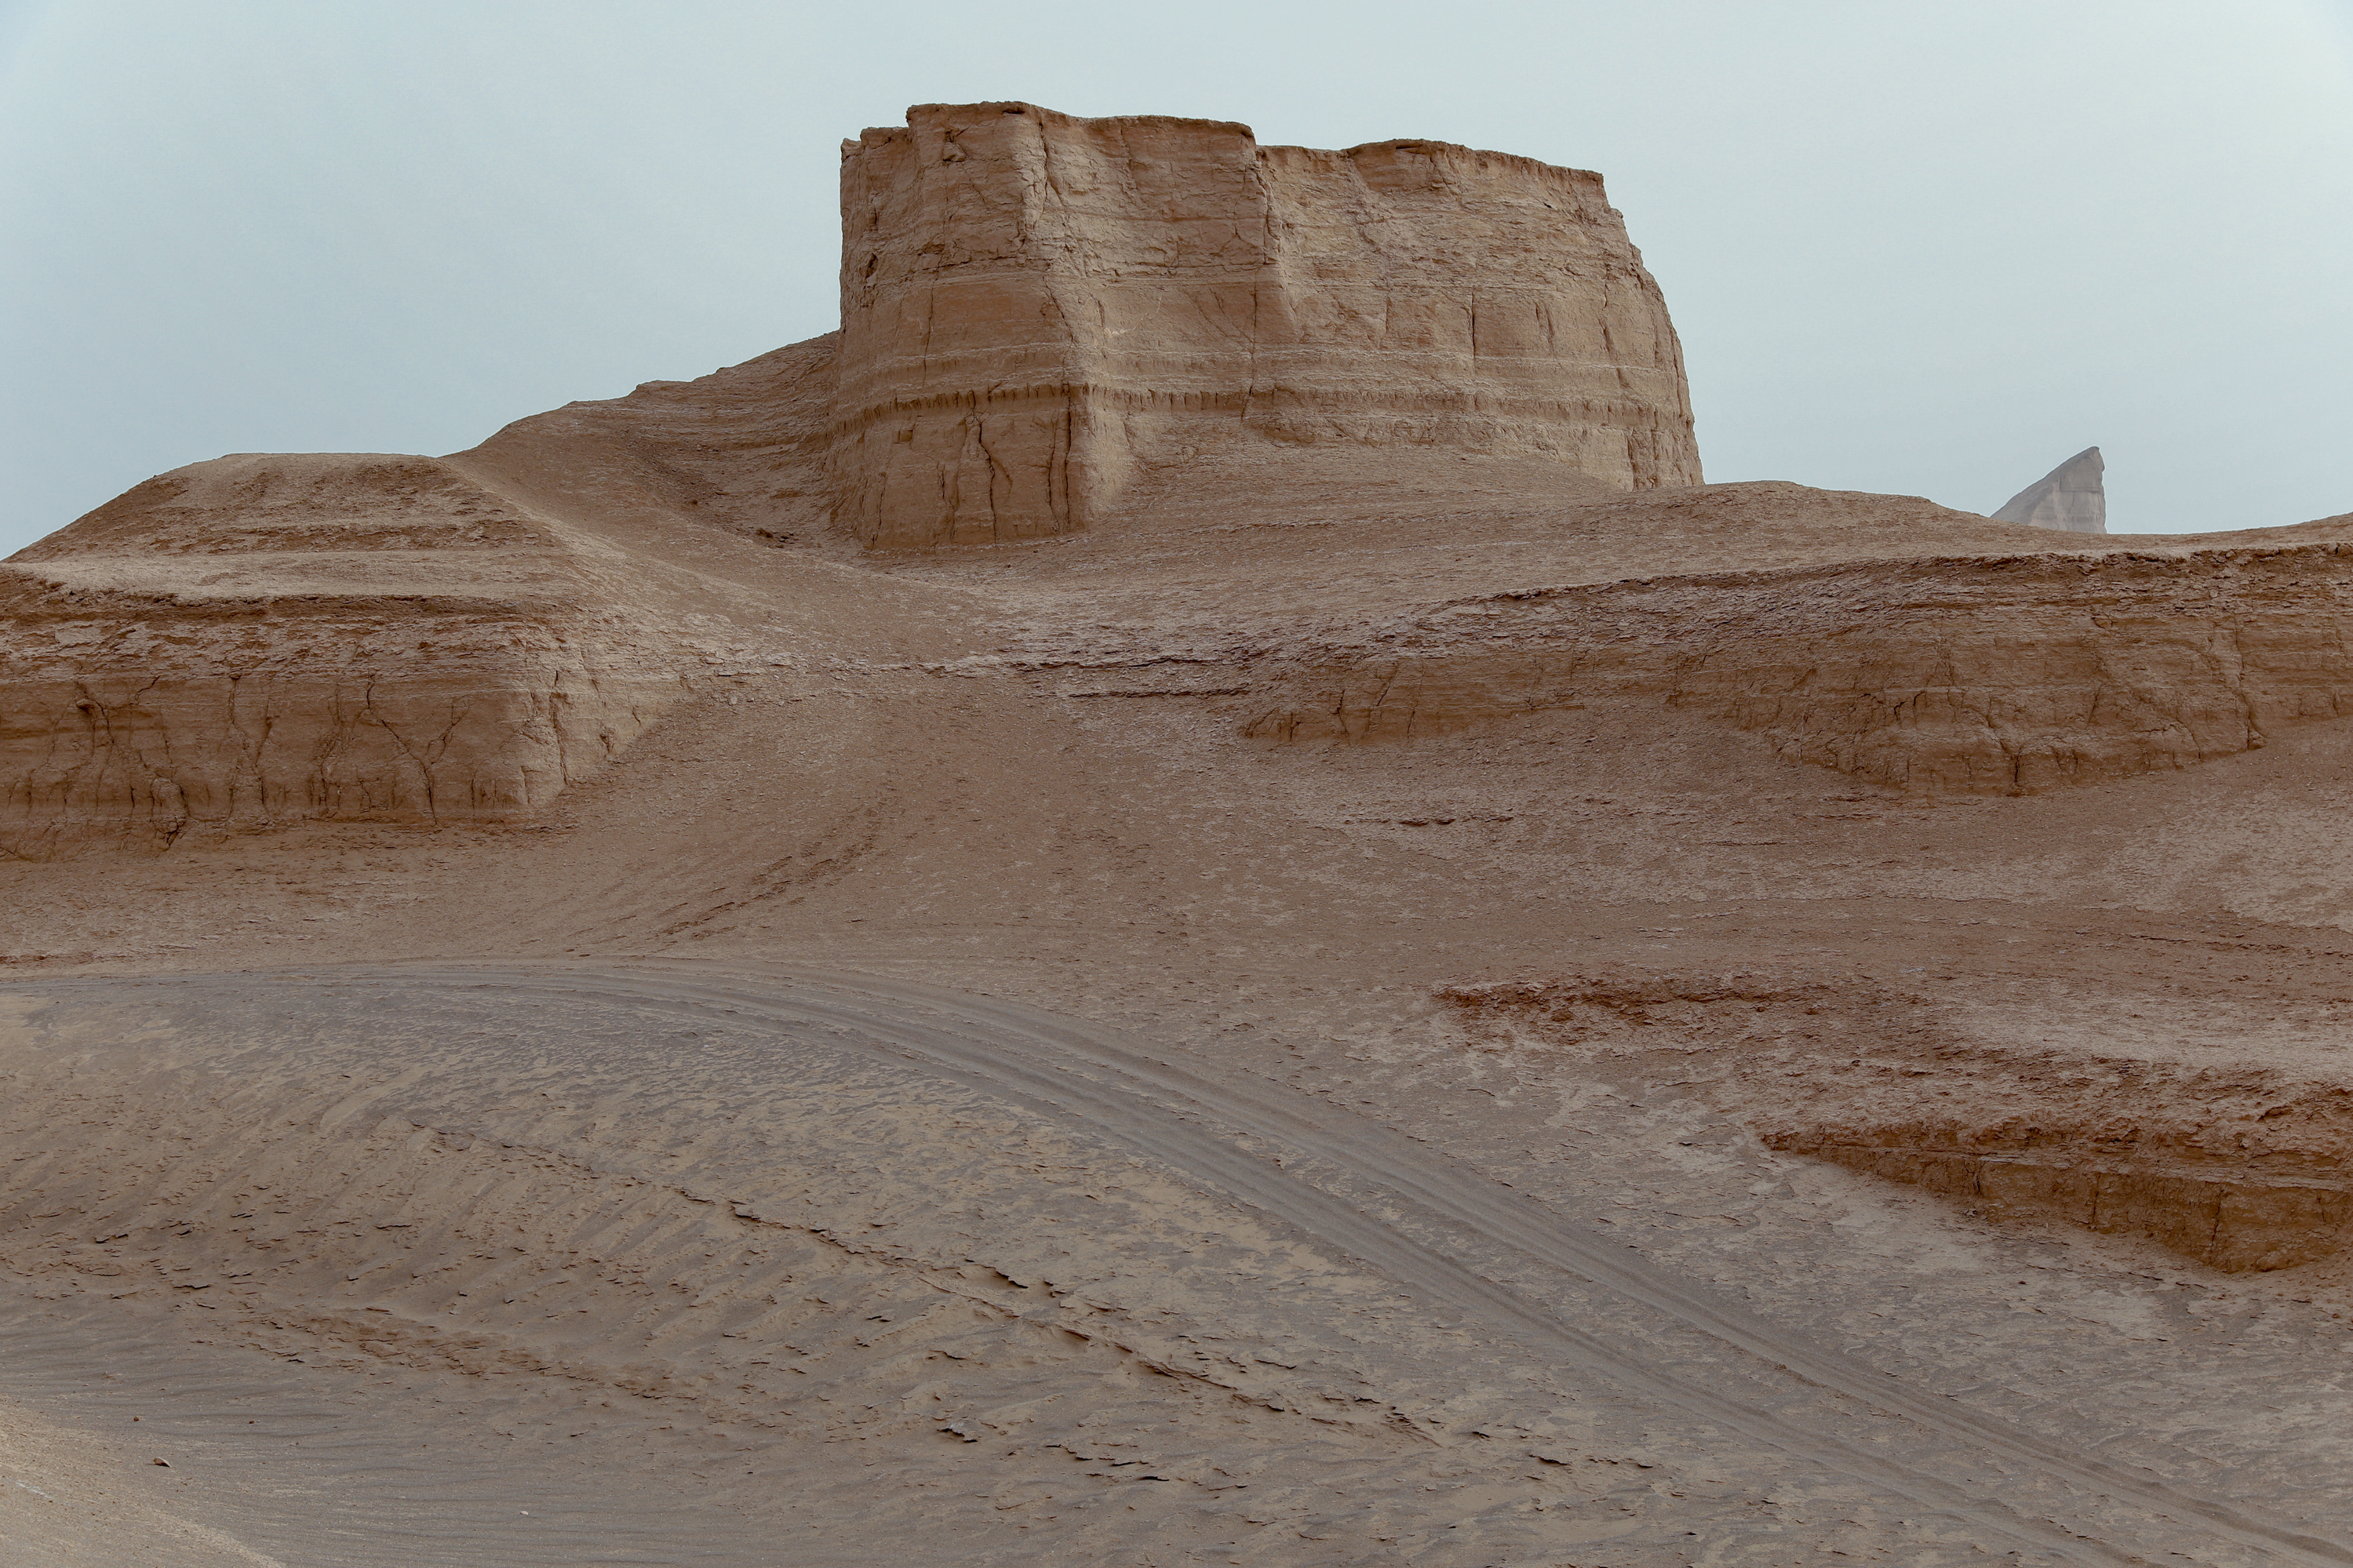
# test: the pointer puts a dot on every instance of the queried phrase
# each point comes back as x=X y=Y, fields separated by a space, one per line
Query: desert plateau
x=1185 y=897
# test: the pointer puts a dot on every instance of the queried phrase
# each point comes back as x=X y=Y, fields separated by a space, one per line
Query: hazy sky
x=1923 y=249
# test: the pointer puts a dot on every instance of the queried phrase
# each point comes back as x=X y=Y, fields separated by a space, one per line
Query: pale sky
x=1928 y=249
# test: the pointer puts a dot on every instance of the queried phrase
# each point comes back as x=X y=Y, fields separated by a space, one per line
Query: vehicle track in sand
x=1285 y=1153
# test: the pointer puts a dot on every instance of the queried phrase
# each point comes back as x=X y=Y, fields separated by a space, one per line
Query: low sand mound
x=742 y=449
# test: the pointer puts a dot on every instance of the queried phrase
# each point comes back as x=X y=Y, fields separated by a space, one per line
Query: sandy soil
x=821 y=1261
x=949 y=1091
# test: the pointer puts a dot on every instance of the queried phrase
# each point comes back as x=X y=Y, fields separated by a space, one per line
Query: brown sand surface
x=954 y=1092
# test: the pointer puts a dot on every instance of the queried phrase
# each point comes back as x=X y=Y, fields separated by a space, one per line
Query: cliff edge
x=1032 y=304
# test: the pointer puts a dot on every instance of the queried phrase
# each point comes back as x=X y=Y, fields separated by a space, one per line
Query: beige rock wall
x=1033 y=303
x=2032 y=672
x=258 y=641
x=2002 y=675
x=180 y=722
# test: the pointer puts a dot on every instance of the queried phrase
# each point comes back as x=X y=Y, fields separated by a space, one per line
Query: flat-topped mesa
x=1032 y=303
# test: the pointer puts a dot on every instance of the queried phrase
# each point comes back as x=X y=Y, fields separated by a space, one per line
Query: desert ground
x=1375 y=1003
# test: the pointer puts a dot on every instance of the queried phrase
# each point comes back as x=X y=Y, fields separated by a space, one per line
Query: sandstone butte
x=1034 y=307
x=1829 y=1008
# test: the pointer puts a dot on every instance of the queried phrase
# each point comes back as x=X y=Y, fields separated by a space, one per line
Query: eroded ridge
x=2240 y=1166
x=263 y=640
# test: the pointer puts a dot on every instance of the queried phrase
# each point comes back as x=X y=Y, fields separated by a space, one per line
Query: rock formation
x=260 y=640
x=2069 y=497
x=1985 y=675
x=1157 y=324
x=1290 y=1023
x=1031 y=304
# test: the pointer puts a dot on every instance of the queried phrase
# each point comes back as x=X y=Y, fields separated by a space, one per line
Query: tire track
x=1187 y=1119
x=1159 y=1106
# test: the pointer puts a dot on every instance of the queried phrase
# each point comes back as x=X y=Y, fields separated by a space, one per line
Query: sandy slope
x=69 y=1501
x=1028 y=1253
x=795 y=1182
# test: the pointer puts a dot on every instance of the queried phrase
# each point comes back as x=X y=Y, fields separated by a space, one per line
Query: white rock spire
x=2069 y=497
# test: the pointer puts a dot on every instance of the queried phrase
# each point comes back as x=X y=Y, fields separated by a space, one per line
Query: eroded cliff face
x=1984 y=675
x=1033 y=304
x=262 y=641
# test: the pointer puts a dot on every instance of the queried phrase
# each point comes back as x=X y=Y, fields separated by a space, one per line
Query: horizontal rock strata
x=1033 y=303
x=1998 y=675
x=2239 y=1224
x=264 y=640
